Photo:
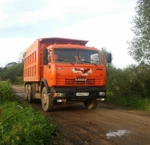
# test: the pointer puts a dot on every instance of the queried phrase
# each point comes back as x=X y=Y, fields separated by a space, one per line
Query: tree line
x=13 y=72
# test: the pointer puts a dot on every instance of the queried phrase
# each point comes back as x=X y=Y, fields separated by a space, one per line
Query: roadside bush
x=130 y=86
x=6 y=92
x=131 y=102
x=12 y=71
x=19 y=81
x=20 y=125
x=131 y=81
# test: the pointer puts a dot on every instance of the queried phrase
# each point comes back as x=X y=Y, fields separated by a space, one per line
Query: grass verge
x=131 y=102
x=7 y=94
x=20 y=124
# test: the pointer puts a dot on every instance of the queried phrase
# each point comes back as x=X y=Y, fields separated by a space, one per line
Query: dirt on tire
x=106 y=125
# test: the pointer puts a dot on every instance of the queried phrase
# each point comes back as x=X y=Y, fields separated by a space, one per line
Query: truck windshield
x=72 y=55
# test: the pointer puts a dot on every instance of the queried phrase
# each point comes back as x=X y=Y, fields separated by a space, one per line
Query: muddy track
x=106 y=125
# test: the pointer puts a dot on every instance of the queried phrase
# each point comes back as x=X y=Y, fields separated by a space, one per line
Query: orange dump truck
x=60 y=70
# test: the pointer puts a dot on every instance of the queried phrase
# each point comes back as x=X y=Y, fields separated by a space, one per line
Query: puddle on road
x=118 y=133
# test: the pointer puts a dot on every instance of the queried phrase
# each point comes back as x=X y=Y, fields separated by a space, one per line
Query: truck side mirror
x=45 y=56
x=109 y=57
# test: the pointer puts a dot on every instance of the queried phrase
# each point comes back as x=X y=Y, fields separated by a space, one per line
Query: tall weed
x=7 y=93
x=133 y=102
x=20 y=125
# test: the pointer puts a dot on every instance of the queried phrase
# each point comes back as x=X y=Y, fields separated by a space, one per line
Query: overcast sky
x=105 y=23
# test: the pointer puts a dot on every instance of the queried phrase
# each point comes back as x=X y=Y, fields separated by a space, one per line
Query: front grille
x=80 y=83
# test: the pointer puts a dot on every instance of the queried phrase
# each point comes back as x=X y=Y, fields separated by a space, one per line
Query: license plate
x=82 y=94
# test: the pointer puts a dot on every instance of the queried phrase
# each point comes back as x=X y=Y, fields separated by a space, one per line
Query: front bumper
x=78 y=93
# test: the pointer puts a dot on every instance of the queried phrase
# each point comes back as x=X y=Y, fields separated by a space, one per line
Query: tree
x=10 y=64
x=1 y=71
x=12 y=71
x=139 y=46
x=21 y=57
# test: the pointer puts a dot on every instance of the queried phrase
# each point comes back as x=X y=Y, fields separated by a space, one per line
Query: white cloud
x=109 y=31
x=108 y=28
x=12 y=48
x=4 y=1
x=27 y=18
x=58 y=10
x=91 y=6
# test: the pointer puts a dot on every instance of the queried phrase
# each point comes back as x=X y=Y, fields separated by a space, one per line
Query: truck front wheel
x=91 y=104
x=46 y=100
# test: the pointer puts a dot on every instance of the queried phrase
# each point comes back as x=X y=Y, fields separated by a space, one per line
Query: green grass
x=133 y=102
x=20 y=124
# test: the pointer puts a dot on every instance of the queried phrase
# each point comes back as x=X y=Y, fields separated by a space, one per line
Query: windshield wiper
x=65 y=60
x=85 y=61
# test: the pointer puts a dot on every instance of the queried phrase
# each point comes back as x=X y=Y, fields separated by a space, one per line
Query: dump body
x=64 y=69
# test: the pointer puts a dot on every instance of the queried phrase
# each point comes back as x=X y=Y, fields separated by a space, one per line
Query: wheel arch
x=43 y=83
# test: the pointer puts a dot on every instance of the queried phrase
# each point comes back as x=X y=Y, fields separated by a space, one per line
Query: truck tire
x=46 y=100
x=26 y=92
x=30 y=94
x=91 y=104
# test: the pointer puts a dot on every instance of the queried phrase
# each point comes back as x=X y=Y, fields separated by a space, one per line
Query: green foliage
x=19 y=80
x=20 y=125
x=1 y=70
x=10 y=64
x=129 y=86
x=140 y=45
x=12 y=72
x=6 y=92
x=133 y=102
x=133 y=80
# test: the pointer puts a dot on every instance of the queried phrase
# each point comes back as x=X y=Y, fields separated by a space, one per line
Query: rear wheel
x=46 y=100
x=30 y=94
x=91 y=104
x=26 y=92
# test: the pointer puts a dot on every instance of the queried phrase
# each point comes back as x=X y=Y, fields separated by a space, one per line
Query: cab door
x=48 y=70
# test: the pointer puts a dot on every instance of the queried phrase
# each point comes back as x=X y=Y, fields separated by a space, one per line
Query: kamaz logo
x=82 y=71
x=81 y=80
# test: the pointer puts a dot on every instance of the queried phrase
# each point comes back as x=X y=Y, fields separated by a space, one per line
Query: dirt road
x=105 y=125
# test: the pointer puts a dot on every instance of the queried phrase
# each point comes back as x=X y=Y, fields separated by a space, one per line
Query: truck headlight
x=58 y=94
x=102 y=93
